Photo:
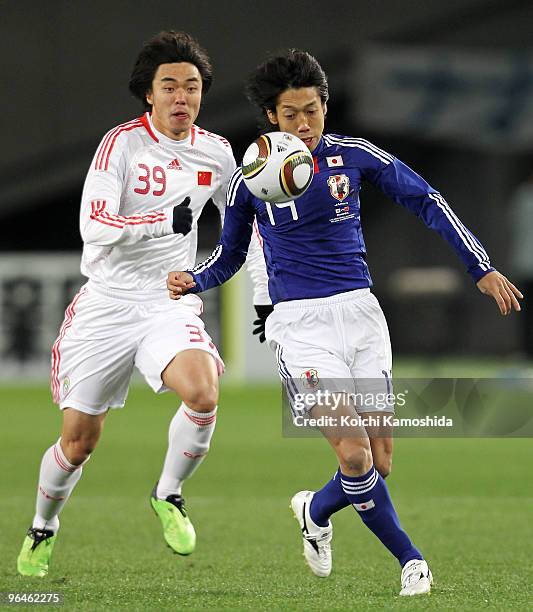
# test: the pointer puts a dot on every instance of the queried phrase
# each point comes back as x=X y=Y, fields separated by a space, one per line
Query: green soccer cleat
x=36 y=551
x=177 y=527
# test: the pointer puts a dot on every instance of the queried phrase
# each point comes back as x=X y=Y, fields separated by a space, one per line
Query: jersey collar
x=147 y=122
x=319 y=149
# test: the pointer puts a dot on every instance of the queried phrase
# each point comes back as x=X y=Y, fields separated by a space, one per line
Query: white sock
x=188 y=442
x=57 y=479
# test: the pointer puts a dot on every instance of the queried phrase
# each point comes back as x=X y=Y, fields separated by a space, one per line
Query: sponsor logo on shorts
x=310 y=378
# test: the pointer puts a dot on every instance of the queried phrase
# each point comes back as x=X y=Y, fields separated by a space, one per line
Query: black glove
x=259 y=323
x=182 y=217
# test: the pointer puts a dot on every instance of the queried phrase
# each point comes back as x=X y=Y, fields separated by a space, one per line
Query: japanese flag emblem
x=335 y=161
x=368 y=505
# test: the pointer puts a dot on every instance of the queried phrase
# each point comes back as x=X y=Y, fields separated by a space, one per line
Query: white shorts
x=105 y=334
x=340 y=343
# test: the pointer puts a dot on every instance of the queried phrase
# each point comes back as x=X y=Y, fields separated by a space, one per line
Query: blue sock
x=328 y=500
x=370 y=497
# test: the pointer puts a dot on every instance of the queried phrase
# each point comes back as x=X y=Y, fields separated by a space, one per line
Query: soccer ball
x=277 y=167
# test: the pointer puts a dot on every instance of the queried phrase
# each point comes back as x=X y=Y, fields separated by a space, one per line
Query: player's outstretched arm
x=101 y=221
x=230 y=253
x=178 y=283
x=103 y=228
x=502 y=290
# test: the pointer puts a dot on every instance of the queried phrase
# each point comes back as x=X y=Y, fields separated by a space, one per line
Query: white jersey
x=136 y=178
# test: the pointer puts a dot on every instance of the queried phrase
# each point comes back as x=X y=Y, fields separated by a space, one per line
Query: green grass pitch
x=466 y=503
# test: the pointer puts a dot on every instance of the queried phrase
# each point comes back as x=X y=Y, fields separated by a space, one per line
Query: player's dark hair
x=290 y=70
x=168 y=47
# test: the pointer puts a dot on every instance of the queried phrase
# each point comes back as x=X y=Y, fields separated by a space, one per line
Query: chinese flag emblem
x=204 y=178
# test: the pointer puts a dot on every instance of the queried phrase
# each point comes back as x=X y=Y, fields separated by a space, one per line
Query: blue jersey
x=314 y=246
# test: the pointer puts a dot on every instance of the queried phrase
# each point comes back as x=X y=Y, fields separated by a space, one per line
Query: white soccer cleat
x=317 y=540
x=416 y=578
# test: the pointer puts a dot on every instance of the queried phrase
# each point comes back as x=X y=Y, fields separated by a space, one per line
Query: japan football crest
x=339 y=186
x=310 y=378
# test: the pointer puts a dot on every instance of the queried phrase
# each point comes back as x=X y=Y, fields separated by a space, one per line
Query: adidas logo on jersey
x=175 y=165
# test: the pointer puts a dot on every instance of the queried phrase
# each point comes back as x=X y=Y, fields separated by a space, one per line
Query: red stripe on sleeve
x=99 y=214
x=112 y=143
x=105 y=143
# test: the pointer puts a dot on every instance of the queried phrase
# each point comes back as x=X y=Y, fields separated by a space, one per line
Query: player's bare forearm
x=178 y=283
x=502 y=290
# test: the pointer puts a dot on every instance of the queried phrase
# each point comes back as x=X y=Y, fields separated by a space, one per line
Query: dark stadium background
x=65 y=68
x=467 y=501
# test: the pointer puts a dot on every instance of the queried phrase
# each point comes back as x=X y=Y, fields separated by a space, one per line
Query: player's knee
x=356 y=458
x=202 y=398
x=78 y=450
